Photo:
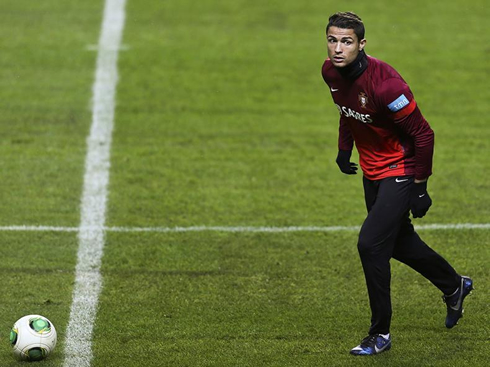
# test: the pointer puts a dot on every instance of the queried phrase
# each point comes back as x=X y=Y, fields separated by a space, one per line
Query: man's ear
x=362 y=44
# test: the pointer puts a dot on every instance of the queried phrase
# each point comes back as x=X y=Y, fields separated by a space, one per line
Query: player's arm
x=417 y=127
x=346 y=143
x=402 y=108
x=407 y=116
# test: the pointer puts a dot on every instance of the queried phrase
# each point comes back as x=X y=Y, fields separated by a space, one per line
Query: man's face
x=343 y=46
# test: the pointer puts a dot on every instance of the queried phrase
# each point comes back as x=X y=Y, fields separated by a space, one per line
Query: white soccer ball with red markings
x=33 y=337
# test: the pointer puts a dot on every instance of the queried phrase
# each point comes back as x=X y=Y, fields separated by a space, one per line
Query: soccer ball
x=33 y=337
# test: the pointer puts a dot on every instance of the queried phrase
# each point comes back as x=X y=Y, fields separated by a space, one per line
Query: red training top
x=378 y=112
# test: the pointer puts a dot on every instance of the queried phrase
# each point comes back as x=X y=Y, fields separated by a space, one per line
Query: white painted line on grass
x=97 y=48
x=38 y=229
x=88 y=280
x=247 y=229
x=435 y=226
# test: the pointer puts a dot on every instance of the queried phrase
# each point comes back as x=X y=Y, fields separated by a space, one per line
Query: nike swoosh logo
x=398 y=180
x=333 y=90
x=421 y=196
x=380 y=349
x=458 y=304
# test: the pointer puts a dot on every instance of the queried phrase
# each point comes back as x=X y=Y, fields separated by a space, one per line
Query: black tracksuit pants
x=388 y=233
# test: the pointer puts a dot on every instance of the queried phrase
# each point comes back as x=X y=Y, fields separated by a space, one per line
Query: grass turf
x=272 y=300
x=223 y=119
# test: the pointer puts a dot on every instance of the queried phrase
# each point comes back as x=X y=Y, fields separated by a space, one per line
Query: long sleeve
x=346 y=141
x=415 y=126
x=401 y=106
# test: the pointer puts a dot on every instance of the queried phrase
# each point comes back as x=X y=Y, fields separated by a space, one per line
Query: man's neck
x=355 y=68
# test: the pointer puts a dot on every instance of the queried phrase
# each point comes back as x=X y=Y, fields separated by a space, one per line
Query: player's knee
x=369 y=246
x=365 y=247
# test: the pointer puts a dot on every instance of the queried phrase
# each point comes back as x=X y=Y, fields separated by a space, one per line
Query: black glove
x=420 y=200
x=343 y=161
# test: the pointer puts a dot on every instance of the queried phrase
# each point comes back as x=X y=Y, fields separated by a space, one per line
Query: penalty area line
x=232 y=229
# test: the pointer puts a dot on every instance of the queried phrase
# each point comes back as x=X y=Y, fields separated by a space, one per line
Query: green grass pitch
x=223 y=119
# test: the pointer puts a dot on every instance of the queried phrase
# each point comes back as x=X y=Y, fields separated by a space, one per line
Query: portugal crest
x=363 y=99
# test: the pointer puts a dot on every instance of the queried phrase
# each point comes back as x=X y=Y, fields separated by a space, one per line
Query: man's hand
x=420 y=200
x=343 y=161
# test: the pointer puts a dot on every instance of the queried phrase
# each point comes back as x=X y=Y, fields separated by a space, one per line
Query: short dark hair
x=347 y=20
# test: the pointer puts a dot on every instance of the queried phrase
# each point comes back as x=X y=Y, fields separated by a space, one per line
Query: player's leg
x=387 y=201
x=411 y=250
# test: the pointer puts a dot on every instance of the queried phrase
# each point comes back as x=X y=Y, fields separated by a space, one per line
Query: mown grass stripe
x=434 y=226
x=88 y=279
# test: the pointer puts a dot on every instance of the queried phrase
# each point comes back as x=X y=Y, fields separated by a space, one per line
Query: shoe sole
x=388 y=347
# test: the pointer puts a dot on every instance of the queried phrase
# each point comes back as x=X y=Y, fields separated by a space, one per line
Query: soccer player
x=395 y=143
